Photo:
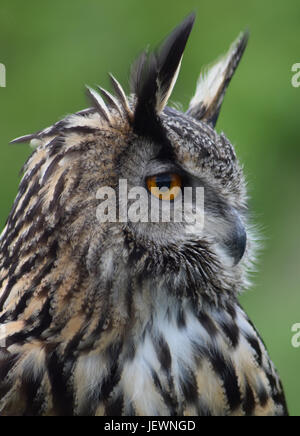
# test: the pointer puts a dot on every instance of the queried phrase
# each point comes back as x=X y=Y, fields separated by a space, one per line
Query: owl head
x=154 y=150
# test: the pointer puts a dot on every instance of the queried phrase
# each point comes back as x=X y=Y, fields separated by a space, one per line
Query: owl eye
x=165 y=186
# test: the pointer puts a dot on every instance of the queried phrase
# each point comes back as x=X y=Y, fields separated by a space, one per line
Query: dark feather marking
x=113 y=377
x=74 y=346
x=36 y=225
x=272 y=382
x=188 y=385
x=114 y=406
x=248 y=400
x=26 y=267
x=58 y=376
x=55 y=145
x=59 y=187
x=14 y=216
x=5 y=294
x=45 y=270
x=31 y=216
x=22 y=303
x=86 y=112
x=181 y=321
x=279 y=398
x=208 y=324
x=7 y=362
x=231 y=311
x=136 y=255
x=32 y=191
x=54 y=129
x=32 y=233
x=163 y=353
x=44 y=321
x=29 y=175
x=168 y=399
x=231 y=330
x=263 y=396
x=253 y=342
x=228 y=376
x=84 y=130
x=51 y=168
x=98 y=330
x=277 y=395
x=34 y=399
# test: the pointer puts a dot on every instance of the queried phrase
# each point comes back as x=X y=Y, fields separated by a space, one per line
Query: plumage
x=131 y=318
x=212 y=83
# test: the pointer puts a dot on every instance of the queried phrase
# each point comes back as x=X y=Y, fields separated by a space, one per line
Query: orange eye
x=165 y=186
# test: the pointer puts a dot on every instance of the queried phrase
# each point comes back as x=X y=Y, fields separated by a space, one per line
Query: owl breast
x=187 y=363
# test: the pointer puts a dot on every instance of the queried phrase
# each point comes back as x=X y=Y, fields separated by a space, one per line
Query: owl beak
x=235 y=243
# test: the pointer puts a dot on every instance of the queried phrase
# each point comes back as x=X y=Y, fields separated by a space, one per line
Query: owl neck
x=187 y=269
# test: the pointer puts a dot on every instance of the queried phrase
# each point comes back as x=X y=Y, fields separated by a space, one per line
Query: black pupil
x=163 y=181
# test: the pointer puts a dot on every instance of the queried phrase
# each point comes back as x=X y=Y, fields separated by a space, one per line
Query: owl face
x=170 y=147
x=165 y=157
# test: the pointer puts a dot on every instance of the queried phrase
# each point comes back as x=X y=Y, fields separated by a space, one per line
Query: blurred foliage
x=51 y=49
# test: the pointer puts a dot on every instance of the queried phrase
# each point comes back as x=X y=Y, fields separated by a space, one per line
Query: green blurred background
x=52 y=48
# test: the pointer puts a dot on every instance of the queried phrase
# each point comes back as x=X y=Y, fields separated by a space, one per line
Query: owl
x=133 y=317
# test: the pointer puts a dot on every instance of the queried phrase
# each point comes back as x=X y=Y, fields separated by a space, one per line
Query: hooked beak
x=236 y=241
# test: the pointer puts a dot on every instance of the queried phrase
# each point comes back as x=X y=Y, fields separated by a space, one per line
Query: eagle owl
x=123 y=317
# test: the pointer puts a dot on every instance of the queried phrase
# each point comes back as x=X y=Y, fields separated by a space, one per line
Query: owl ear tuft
x=153 y=76
x=212 y=84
